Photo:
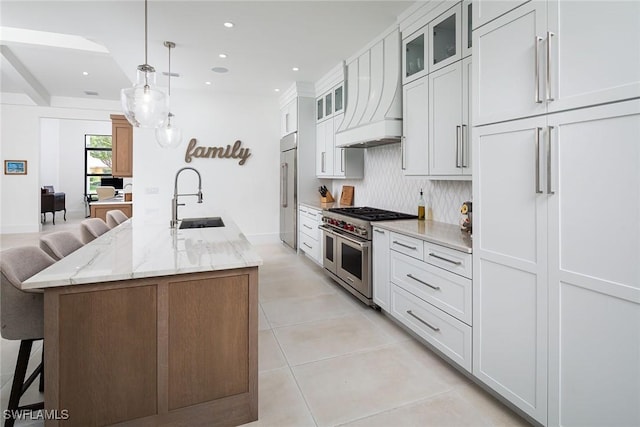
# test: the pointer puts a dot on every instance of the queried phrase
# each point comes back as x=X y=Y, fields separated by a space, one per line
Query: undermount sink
x=215 y=221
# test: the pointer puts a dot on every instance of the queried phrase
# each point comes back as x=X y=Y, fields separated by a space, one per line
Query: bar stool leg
x=18 y=380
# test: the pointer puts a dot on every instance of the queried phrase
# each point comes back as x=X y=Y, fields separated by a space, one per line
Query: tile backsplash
x=385 y=187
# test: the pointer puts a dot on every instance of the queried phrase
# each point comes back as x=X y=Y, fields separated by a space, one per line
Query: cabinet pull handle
x=323 y=157
x=310 y=247
x=306 y=226
x=433 y=328
x=342 y=161
x=458 y=146
x=549 y=190
x=402 y=151
x=411 y=276
x=465 y=141
x=379 y=231
x=395 y=242
x=549 y=35
x=538 y=185
x=537 y=66
x=445 y=259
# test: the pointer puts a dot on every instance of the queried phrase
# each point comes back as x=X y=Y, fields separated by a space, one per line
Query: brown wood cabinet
x=122 y=141
x=99 y=210
x=160 y=351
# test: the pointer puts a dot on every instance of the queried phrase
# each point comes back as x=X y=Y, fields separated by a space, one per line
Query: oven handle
x=361 y=243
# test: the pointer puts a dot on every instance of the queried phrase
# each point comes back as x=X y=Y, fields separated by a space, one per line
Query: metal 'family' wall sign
x=229 y=152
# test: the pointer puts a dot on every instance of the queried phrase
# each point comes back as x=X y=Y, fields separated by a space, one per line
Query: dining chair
x=92 y=228
x=105 y=192
x=22 y=318
x=116 y=217
x=60 y=244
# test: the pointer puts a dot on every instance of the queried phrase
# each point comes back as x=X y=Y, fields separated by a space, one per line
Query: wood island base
x=161 y=351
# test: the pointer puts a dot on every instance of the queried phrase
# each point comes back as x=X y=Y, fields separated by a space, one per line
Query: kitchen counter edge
x=440 y=233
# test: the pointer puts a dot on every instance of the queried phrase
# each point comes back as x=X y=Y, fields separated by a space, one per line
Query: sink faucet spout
x=174 y=202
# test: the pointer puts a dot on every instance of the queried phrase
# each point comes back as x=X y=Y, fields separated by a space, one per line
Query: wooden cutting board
x=346 y=198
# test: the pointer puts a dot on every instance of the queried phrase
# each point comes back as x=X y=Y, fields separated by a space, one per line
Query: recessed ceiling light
x=228 y=24
x=84 y=73
x=222 y=55
x=207 y=83
x=295 y=68
x=219 y=69
x=277 y=90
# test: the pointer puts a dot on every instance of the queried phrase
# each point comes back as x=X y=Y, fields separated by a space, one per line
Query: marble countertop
x=448 y=235
x=135 y=250
x=316 y=204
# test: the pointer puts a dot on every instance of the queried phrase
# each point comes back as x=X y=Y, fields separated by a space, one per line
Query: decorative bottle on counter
x=421 y=206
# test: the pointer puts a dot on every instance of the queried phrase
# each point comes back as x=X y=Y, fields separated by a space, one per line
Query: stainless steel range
x=347 y=246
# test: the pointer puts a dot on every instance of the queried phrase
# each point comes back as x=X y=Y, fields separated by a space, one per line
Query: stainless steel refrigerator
x=288 y=190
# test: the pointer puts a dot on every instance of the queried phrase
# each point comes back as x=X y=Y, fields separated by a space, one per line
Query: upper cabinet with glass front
x=330 y=103
x=443 y=40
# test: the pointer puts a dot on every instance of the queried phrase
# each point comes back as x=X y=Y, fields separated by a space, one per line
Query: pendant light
x=144 y=105
x=167 y=135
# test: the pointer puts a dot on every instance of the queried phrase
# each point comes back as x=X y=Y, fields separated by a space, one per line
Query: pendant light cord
x=169 y=86
x=145 y=32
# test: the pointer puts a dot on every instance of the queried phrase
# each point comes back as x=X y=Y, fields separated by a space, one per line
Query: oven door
x=329 y=251
x=354 y=263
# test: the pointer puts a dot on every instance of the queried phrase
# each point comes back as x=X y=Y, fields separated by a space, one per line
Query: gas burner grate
x=371 y=214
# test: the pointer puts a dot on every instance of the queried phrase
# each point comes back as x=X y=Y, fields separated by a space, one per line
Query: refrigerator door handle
x=283 y=184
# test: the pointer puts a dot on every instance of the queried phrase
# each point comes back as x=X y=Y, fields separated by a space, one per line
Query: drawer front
x=447 y=334
x=455 y=261
x=447 y=291
x=310 y=246
x=407 y=245
x=309 y=227
x=312 y=213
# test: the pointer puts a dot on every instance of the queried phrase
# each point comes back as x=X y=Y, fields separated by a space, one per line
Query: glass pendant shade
x=169 y=136
x=144 y=105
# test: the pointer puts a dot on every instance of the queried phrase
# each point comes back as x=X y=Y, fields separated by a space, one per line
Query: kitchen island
x=153 y=326
x=99 y=208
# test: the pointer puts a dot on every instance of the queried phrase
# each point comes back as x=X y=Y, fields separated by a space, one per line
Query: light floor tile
x=295 y=285
x=385 y=324
x=263 y=323
x=292 y=311
x=322 y=339
x=349 y=387
x=269 y=354
x=280 y=402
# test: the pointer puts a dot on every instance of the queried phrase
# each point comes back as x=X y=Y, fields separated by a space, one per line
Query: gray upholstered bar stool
x=22 y=317
x=116 y=217
x=92 y=228
x=60 y=244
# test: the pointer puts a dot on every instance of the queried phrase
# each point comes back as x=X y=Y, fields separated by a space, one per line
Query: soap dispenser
x=421 y=211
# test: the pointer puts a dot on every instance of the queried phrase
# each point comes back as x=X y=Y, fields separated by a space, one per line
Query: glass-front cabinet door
x=338 y=99
x=467 y=25
x=320 y=108
x=328 y=104
x=414 y=56
x=445 y=39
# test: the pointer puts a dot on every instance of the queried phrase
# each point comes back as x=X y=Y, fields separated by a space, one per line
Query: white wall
x=20 y=132
x=50 y=149
x=248 y=194
x=384 y=186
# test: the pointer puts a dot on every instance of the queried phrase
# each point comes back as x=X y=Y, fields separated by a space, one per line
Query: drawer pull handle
x=395 y=242
x=433 y=328
x=437 y=288
x=306 y=226
x=445 y=259
x=379 y=231
x=310 y=247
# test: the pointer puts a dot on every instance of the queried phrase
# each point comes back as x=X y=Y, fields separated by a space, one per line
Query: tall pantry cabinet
x=556 y=188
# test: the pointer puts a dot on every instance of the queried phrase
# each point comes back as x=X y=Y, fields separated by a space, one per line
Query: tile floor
x=327 y=360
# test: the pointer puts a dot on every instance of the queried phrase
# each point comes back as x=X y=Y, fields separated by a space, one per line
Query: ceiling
x=269 y=39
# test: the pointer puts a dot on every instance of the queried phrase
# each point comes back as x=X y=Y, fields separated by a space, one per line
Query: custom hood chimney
x=373 y=113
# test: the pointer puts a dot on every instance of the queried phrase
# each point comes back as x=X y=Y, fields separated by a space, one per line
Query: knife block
x=328 y=199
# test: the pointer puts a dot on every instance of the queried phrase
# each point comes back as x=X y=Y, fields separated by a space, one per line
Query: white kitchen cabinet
x=594 y=266
x=310 y=237
x=445 y=38
x=415 y=54
x=510 y=264
x=324 y=148
x=381 y=279
x=467 y=26
x=289 y=118
x=415 y=127
x=336 y=162
x=449 y=130
x=485 y=11
x=532 y=59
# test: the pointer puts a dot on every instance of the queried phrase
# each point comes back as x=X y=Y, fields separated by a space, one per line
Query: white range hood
x=373 y=113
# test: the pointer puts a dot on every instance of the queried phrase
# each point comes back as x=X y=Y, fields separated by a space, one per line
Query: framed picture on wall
x=15 y=167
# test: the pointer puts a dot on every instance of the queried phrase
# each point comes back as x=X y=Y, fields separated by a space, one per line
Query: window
x=97 y=161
